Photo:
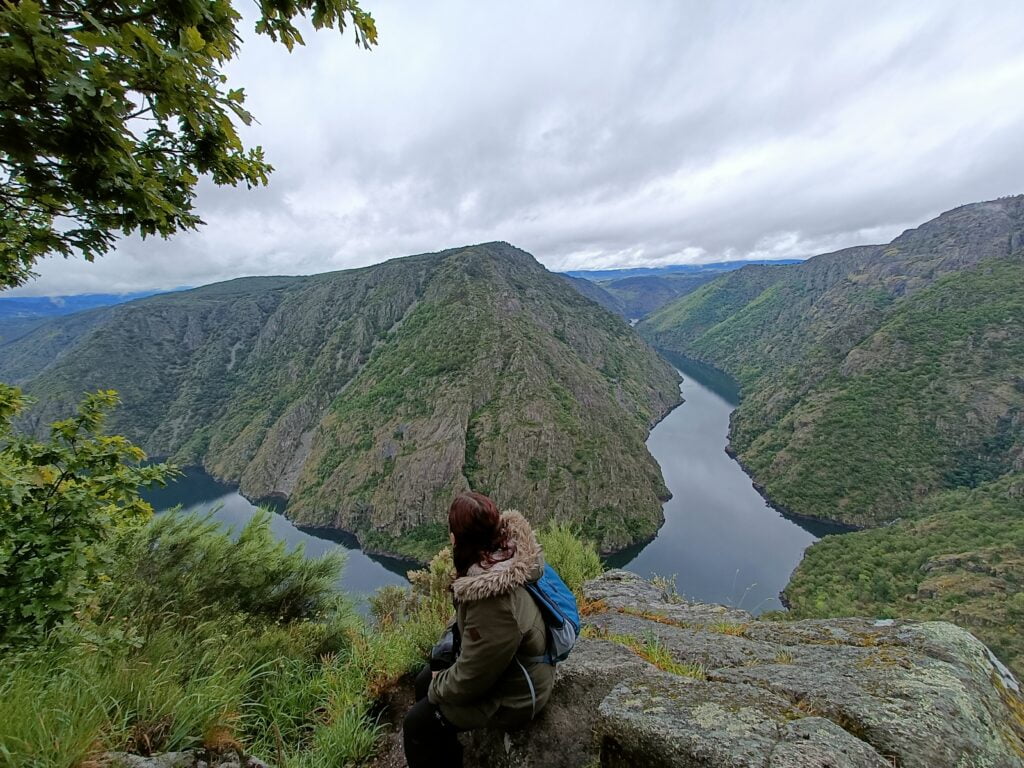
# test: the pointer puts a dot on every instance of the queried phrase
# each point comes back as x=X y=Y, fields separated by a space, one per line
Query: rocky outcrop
x=189 y=758
x=658 y=681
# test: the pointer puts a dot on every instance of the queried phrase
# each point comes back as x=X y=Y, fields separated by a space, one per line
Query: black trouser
x=430 y=741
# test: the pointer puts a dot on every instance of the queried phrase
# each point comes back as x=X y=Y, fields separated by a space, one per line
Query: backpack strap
x=533 y=691
x=545 y=659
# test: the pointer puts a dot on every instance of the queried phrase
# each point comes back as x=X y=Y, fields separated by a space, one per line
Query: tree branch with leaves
x=61 y=502
x=111 y=111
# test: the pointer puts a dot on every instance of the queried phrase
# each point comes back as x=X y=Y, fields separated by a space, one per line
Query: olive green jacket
x=498 y=621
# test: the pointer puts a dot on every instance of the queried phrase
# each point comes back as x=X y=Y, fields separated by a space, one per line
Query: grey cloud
x=602 y=134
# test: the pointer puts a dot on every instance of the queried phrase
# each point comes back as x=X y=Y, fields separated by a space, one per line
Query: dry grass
x=728 y=628
x=591 y=607
x=653 y=616
x=650 y=649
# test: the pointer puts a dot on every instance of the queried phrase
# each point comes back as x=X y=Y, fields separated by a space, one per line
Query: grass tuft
x=651 y=649
x=728 y=628
x=575 y=559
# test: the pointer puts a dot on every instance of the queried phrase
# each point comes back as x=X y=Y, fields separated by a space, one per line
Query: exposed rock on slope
x=882 y=384
x=370 y=396
x=875 y=376
x=639 y=295
x=734 y=692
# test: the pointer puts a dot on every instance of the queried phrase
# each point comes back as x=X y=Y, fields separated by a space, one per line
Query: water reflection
x=721 y=540
x=197 y=492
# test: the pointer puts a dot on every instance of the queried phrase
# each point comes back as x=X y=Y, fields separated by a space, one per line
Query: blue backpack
x=561 y=616
x=557 y=605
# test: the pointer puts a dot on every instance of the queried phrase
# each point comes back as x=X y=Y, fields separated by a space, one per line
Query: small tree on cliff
x=61 y=500
x=110 y=110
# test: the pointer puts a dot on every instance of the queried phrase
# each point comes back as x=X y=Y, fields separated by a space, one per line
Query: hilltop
x=369 y=397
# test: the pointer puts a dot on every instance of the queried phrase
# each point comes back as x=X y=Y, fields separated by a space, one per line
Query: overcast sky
x=604 y=134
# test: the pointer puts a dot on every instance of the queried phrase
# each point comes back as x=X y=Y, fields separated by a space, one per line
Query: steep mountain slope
x=886 y=385
x=874 y=376
x=641 y=295
x=368 y=397
x=957 y=556
x=595 y=292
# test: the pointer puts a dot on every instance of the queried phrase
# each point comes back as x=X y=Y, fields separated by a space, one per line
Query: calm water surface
x=197 y=492
x=720 y=540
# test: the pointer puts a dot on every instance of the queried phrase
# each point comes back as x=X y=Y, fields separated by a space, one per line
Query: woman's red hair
x=478 y=529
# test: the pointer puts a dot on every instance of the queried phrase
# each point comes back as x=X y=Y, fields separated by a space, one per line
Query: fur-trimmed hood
x=526 y=565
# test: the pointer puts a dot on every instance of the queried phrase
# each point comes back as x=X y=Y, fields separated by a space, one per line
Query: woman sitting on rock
x=502 y=635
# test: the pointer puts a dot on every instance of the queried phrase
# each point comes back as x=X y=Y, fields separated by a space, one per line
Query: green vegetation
x=254 y=651
x=886 y=385
x=61 y=501
x=370 y=397
x=189 y=635
x=123 y=634
x=575 y=558
x=958 y=556
x=942 y=412
x=78 y=164
x=420 y=543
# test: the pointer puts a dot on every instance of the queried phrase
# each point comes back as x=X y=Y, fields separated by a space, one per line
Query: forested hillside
x=886 y=384
x=957 y=556
x=368 y=397
x=875 y=376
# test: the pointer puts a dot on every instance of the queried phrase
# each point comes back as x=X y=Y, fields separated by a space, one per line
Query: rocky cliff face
x=657 y=681
x=369 y=397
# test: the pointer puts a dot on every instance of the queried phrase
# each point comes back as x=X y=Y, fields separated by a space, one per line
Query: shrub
x=61 y=501
x=575 y=559
x=189 y=566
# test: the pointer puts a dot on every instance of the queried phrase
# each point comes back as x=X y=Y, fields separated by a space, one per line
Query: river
x=195 y=491
x=720 y=542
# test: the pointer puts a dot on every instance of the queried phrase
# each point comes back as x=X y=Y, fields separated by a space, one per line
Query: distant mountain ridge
x=20 y=314
x=637 y=292
x=49 y=306
x=369 y=397
x=672 y=269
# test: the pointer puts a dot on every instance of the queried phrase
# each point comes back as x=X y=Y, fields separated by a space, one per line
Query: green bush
x=575 y=559
x=203 y=640
x=61 y=501
x=189 y=566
